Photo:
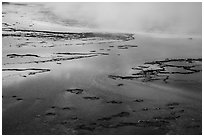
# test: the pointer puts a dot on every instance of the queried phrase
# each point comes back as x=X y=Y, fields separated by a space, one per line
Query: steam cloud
x=179 y=18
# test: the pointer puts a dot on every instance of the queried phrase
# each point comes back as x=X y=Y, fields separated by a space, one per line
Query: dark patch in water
x=156 y=108
x=85 y=127
x=92 y=51
x=145 y=109
x=172 y=104
x=171 y=117
x=75 y=91
x=5 y=3
x=138 y=100
x=120 y=84
x=114 y=102
x=50 y=114
x=66 y=108
x=19 y=99
x=127 y=46
x=121 y=114
x=193 y=126
x=140 y=123
x=91 y=98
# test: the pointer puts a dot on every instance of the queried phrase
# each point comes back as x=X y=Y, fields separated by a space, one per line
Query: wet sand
x=87 y=82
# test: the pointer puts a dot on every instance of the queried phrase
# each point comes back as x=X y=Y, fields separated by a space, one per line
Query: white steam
x=179 y=18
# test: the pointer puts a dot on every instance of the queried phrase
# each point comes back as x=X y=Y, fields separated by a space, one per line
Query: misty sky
x=179 y=18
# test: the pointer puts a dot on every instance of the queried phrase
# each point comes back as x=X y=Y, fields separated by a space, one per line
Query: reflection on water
x=95 y=83
x=43 y=101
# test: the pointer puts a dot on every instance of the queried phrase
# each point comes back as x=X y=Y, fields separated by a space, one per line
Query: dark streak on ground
x=64 y=35
x=23 y=55
x=127 y=46
x=74 y=53
x=150 y=73
x=29 y=69
x=92 y=98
